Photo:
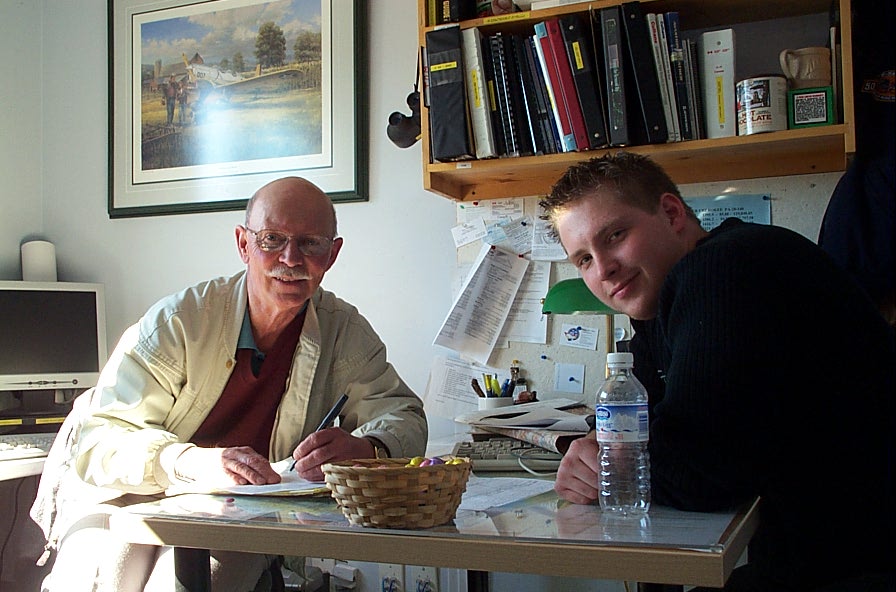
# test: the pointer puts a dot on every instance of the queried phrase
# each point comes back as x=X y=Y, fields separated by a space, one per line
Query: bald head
x=291 y=198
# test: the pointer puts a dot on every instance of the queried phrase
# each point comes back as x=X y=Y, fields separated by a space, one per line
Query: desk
x=540 y=535
x=21 y=467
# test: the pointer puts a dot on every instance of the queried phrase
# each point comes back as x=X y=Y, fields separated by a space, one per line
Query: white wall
x=398 y=260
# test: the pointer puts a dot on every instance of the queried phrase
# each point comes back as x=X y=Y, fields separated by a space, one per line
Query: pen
x=327 y=420
x=476 y=387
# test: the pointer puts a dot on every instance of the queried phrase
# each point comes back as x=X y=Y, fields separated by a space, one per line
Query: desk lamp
x=574 y=297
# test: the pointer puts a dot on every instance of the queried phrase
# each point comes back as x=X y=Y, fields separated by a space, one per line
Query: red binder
x=567 y=85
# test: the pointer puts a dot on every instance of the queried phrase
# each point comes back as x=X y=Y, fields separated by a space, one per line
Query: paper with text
x=290 y=485
x=448 y=391
x=480 y=310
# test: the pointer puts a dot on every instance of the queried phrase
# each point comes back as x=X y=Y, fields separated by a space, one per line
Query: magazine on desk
x=551 y=425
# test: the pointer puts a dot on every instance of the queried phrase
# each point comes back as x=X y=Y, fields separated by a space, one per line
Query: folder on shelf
x=663 y=51
x=570 y=99
x=646 y=112
x=477 y=94
x=579 y=52
x=679 y=78
x=614 y=56
x=552 y=82
x=717 y=56
x=448 y=121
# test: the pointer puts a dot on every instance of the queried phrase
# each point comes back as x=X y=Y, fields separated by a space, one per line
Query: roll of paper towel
x=38 y=261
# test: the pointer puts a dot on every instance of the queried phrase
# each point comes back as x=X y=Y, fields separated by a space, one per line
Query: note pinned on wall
x=713 y=210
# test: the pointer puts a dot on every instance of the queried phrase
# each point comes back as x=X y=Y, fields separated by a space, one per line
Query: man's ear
x=674 y=210
x=334 y=251
x=242 y=242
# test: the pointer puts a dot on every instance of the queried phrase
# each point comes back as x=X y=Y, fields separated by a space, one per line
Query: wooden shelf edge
x=776 y=154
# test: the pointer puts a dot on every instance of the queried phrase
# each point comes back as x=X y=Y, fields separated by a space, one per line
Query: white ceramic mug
x=494 y=402
x=806 y=67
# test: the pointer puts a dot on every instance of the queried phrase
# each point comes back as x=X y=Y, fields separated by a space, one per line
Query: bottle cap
x=620 y=359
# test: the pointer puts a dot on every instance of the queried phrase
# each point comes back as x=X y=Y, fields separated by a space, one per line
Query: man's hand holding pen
x=329 y=445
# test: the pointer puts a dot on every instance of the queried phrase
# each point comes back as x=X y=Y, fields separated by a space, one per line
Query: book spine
x=617 y=118
x=690 y=62
x=505 y=105
x=519 y=93
x=717 y=54
x=661 y=76
x=477 y=94
x=544 y=113
x=579 y=53
x=676 y=61
x=549 y=63
x=667 y=72
x=567 y=85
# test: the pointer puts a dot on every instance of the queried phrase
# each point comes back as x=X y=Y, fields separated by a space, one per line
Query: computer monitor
x=52 y=335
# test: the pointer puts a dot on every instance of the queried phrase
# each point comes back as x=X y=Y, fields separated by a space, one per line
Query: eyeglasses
x=310 y=245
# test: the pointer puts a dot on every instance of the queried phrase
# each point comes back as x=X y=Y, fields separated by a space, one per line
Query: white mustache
x=287 y=273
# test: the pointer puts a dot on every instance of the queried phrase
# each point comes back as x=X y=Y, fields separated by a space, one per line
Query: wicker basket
x=384 y=493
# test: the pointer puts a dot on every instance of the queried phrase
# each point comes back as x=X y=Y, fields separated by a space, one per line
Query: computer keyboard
x=17 y=446
x=504 y=454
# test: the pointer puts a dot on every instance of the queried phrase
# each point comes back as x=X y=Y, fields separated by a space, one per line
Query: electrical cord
x=12 y=527
x=536 y=454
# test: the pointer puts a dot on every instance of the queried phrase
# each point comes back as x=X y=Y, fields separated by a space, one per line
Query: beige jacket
x=169 y=369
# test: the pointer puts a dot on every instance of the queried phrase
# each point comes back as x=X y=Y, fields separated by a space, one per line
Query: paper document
x=480 y=310
x=290 y=485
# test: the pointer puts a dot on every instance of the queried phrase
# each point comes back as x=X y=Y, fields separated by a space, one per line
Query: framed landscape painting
x=210 y=100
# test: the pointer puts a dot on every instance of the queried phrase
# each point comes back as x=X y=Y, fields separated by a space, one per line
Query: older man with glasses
x=216 y=382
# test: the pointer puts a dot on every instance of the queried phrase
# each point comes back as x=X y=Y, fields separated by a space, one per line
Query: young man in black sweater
x=769 y=373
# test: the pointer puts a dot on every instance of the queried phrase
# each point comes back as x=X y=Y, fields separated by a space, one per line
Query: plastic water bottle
x=622 y=428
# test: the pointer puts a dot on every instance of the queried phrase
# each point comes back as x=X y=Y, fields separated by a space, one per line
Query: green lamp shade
x=573 y=297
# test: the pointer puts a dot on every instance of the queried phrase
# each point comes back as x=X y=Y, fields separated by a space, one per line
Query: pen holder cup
x=494 y=402
x=385 y=493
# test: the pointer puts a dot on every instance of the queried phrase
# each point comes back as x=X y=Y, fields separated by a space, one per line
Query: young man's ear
x=674 y=210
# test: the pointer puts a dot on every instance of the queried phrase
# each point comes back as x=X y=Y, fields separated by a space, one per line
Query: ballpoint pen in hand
x=327 y=420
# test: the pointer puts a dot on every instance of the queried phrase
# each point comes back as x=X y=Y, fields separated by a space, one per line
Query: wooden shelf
x=776 y=154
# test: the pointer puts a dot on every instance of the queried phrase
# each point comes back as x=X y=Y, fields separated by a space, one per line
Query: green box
x=810 y=107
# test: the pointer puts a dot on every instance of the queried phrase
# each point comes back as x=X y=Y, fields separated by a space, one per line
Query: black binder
x=614 y=59
x=578 y=43
x=644 y=100
x=448 y=121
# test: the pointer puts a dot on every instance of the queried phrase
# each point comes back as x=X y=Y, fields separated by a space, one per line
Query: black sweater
x=770 y=373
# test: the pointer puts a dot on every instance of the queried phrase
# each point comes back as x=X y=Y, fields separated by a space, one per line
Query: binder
x=570 y=97
x=717 y=60
x=546 y=54
x=647 y=113
x=679 y=78
x=617 y=115
x=449 y=124
x=578 y=44
x=491 y=93
x=503 y=102
x=519 y=95
x=543 y=114
x=477 y=94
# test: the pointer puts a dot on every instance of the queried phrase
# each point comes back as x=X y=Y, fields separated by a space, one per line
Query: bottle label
x=621 y=423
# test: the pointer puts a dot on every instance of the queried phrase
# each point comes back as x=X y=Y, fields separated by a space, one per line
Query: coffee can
x=761 y=105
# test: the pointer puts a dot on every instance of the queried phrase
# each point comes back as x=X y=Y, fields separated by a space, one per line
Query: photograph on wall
x=210 y=100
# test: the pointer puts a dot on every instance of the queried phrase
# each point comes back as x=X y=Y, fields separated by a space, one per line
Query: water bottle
x=622 y=428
